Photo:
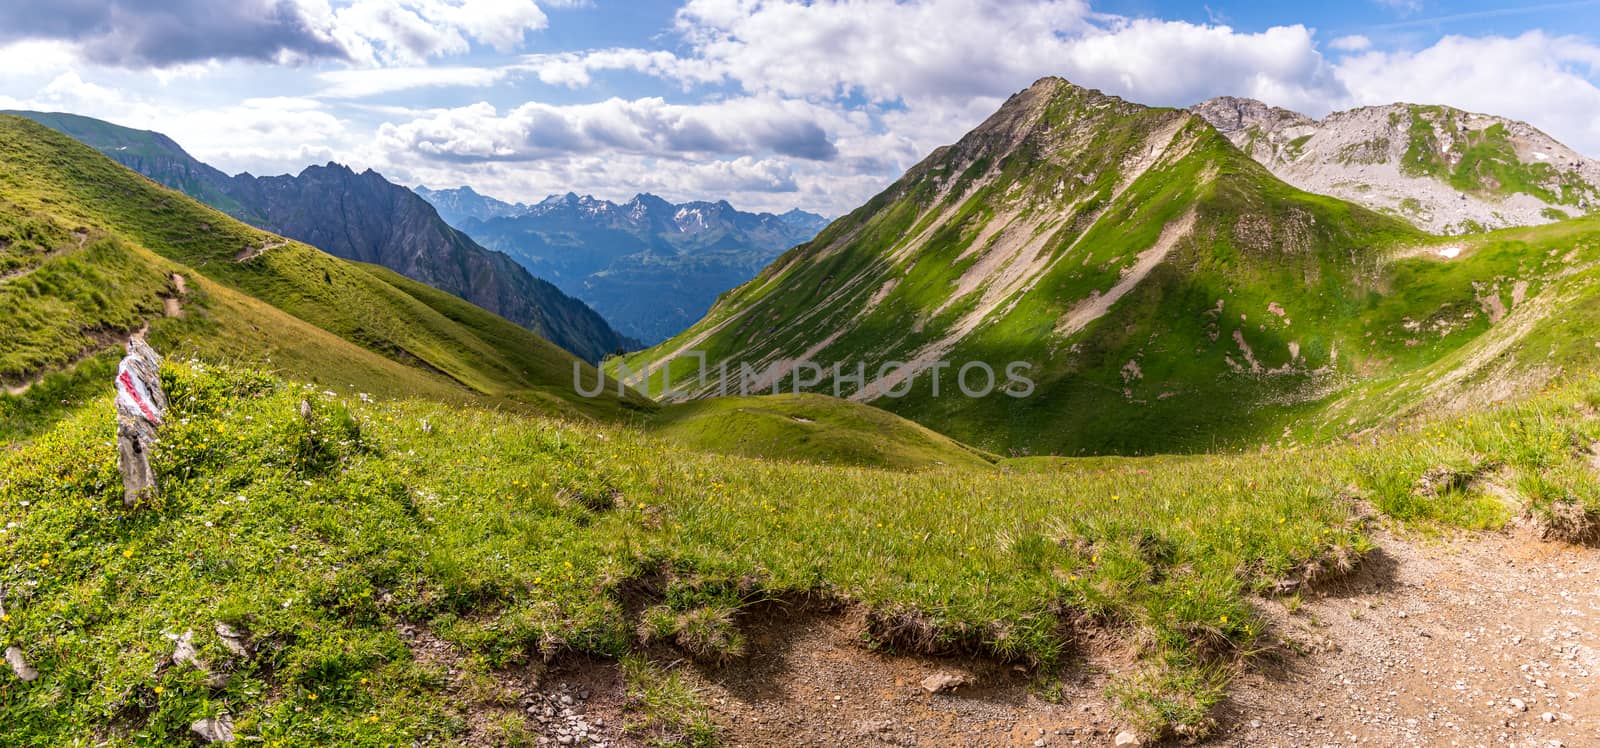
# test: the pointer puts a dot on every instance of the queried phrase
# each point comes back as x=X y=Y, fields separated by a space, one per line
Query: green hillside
x=1164 y=292
x=518 y=540
x=90 y=252
x=811 y=428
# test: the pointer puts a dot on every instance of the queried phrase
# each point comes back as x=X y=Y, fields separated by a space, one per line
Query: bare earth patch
x=1476 y=640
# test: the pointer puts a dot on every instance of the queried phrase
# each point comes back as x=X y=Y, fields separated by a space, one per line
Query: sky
x=770 y=104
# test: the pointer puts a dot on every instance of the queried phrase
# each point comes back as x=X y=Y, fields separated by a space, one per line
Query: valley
x=1275 y=467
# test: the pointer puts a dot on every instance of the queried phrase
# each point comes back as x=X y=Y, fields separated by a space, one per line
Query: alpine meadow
x=1129 y=407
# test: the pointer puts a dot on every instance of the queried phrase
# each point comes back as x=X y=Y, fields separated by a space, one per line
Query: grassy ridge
x=518 y=539
x=91 y=249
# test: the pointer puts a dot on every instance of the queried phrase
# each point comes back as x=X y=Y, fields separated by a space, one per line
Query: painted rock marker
x=141 y=406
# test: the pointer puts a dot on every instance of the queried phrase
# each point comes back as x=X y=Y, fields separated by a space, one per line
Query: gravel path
x=1487 y=640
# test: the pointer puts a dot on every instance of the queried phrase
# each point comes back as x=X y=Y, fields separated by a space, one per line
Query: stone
x=943 y=681
x=19 y=665
x=1519 y=705
x=218 y=729
x=1127 y=739
x=183 y=651
x=141 y=405
x=232 y=639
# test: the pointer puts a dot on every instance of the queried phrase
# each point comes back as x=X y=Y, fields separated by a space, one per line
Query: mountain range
x=1156 y=288
x=650 y=267
x=385 y=515
x=361 y=217
x=1443 y=169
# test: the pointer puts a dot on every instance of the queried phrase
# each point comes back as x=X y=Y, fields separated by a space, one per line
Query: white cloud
x=142 y=34
x=1542 y=79
x=263 y=134
x=1351 y=43
x=364 y=82
x=648 y=126
x=1175 y=64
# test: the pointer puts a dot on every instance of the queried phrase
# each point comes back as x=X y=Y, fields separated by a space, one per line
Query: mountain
x=1135 y=283
x=1445 y=170
x=648 y=266
x=91 y=252
x=457 y=206
x=361 y=217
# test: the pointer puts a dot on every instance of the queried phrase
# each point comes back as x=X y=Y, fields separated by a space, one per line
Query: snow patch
x=1449 y=253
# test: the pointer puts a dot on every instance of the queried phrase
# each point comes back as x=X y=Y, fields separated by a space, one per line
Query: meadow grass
x=520 y=538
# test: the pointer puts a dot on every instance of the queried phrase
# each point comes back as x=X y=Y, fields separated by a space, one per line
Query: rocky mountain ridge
x=1445 y=170
x=651 y=267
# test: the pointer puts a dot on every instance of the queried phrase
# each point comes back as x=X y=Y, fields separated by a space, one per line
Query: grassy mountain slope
x=1091 y=239
x=518 y=540
x=1441 y=168
x=359 y=217
x=1163 y=291
x=812 y=428
x=93 y=251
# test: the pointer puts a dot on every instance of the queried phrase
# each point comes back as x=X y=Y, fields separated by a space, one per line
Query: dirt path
x=1480 y=640
x=809 y=682
x=1465 y=641
x=1429 y=645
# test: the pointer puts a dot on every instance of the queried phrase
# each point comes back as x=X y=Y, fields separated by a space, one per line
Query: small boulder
x=1127 y=739
x=183 y=651
x=232 y=639
x=218 y=729
x=19 y=665
x=944 y=681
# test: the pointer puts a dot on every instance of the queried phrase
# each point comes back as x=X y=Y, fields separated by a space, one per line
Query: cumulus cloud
x=940 y=57
x=1536 y=77
x=269 y=134
x=1351 y=43
x=158 y=33
x=651 y=126
x=164 y=33
x=1176 y=63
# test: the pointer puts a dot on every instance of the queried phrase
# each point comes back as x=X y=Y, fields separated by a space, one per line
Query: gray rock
x=218 y=729
x=944 y=680
x=19 y=665
x=232 y=639
x=183 y=651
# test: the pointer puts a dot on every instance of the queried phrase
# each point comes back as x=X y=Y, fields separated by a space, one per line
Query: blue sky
x=771 y=104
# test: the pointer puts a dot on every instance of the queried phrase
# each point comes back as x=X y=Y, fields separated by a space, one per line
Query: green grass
x=813 y=428
x=91 y=249
x=1483 y=162
x=317 y=538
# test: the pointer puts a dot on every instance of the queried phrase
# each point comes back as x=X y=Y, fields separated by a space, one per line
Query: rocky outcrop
x=1442 y=169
